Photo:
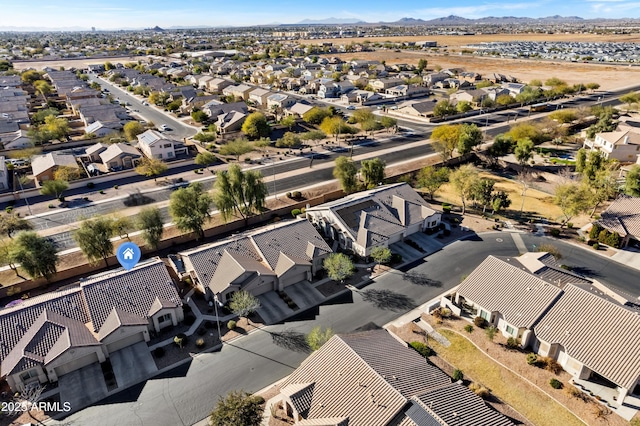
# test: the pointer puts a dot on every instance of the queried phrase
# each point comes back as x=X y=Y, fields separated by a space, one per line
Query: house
x=382 y=84
x=407 y=90
x=280 y=100
x=623 y=146
x=231 y=121
x=270 y=258
x=418 y=108
x=298 y=109
x=240 y=91
x=594 y=339
x=59 y=332
x=4 y=174
x=215 y=108
x=100 y=129
x=45 y=166
x=16 y=140
x=154 y=144
x=623 y=217
x=433 y=78
x=507 y=296
x=375 y=218
x=119 y=156
x=259 y=96
x=370 y=378
x=94 y=151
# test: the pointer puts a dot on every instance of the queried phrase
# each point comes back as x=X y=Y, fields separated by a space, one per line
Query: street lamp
x=216 y=303
x=26 y=200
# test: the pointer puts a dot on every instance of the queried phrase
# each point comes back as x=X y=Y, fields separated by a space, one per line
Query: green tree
x=94 y=239
x=500 y=201
x=5 y=256
x=189 y=208
x=523 y=150
x=66 y=174
x=43 y=87
x=316 y=115
x=372 y=172
x=564 y=115
x=573 y=199
x=501 y=146
x=603 y=186
x=632 y=182
x=132 y=129
x=35 y=254
x=444 y=108
x=237 y=408
x=288 y=121
x=243 y=303
x=151 y=167
x=422 y=65
x=54 y=187
x=199 y=116
x=363 y=114
x=482 y=192
x=446 y=139
x=238 y=192
x=205 y=159
x=30 y=76
x=370 y=126
x=630 y=99
x=581 y=160
x=313 y=135
x=255 y=126
x=236 y=147
x=381 y=255
x=122 y=226
x=431 y=179
x=289 y=140
x=10 y=223
x=463 y=106
x=149 y=221
x=388 y=122
x=345 y=171
x=505 y=100
x=469 y=137
x=39 y=117
x=318 y=337
x=336 y=126
x=525 y=130
x=463 y=180
x=338 y=266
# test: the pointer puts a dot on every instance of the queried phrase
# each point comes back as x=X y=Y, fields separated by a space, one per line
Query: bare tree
x=525 y=178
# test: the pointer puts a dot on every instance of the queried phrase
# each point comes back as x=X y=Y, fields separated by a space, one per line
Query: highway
x=187 y=394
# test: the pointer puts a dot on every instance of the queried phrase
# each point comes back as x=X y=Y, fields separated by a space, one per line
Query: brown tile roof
x=49 y=336
x=133 y=291
x=16 y=321
x=456 y=405
x=623 y=216
x=119 y=318
x=236 y=269
x=366 y=377
x=520 y=296
x=601 y=334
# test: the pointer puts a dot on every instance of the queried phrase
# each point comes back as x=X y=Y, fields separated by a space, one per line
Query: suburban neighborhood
x=419 y=222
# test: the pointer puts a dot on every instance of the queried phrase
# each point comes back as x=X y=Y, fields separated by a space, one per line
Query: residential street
x=188 y=393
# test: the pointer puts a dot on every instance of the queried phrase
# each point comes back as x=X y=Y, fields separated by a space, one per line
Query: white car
x=351 y=107
x=165 y=128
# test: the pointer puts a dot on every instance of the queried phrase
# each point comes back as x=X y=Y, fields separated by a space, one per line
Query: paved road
x=187 y=394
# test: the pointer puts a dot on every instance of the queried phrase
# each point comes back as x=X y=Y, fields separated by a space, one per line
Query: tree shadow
x=388 y=300
x=291 y=340
x=421 y=279
x=584 y=271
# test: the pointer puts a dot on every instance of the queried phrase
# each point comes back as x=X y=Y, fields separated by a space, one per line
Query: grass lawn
x=533 y=404
x=536 y=202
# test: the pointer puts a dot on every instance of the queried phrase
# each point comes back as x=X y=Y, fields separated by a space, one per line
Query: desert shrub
x=551 y=364
x=446 y=208
x=468 y=328
x=180 y=340
x=555 y=383
x=158 y=352
x=8 y=209
x=613 y=240
x=445 y=312
x=457 y=375
x=491 y=332
x=480 y=322
x=258 y=399
x=295 y=212
x=421 y=348
x=555 y=232
x=91 y=185
x=231 y=324
x=479 y=390
x=570 y=225
x=296 y=194
x=512 y=343
x=532 y=358
x=115 y=187
x=288 y=195
x=574 y=392
x=200 y=342
x=595 y=231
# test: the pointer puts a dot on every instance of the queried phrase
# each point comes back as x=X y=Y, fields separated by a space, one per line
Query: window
x=28 y=375
x=484 y=314
x=170 y=154
x=164 y=318
x=510 y=330
x=166 y=145
x=160 y=156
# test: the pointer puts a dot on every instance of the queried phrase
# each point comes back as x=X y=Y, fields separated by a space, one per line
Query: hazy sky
x=109 y=14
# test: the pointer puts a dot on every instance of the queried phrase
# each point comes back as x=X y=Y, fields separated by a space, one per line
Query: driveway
x=132 y=364
x=304 y=294
x=272 y=308
x=428 y=244
x=82 y=387
x=407 y=252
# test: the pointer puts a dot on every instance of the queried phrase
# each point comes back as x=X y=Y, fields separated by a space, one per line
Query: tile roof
x=236 y=270
x=456 y=405
x=599 y=333
x=118 y=318
x=623 y=216
x=42 y=163
x=132 y=291
x=150 y=137
x=366 y=377
x=118 y=149
x=520 y=296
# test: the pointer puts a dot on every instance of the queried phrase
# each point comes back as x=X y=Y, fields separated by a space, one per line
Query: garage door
x=262 y=288
x=294 y=278
x=127 y=341
x=77 y=364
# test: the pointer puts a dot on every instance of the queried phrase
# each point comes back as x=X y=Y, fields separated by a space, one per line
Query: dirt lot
x=73 y=63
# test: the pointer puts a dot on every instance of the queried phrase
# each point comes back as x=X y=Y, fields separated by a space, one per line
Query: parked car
x=351 y=107
x=17 y=162
x=165 y=128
